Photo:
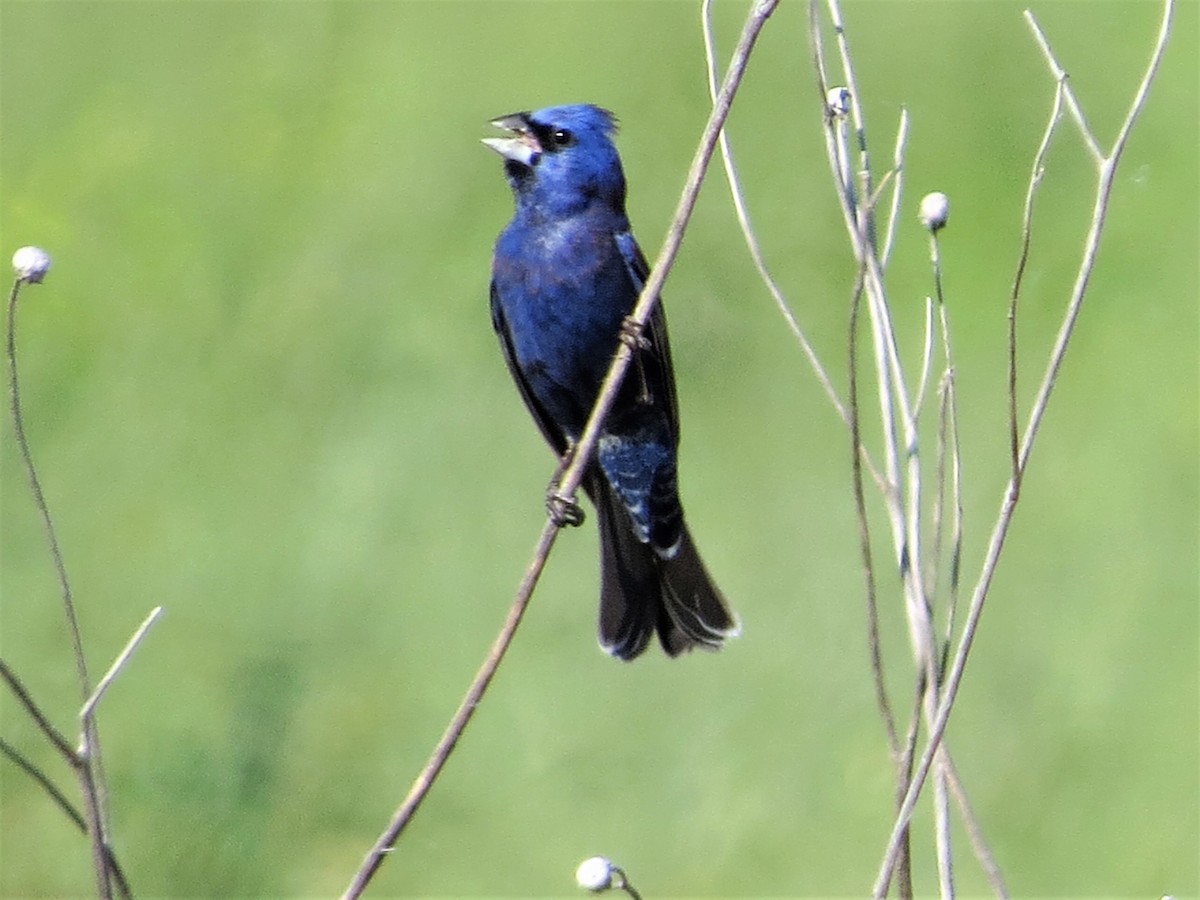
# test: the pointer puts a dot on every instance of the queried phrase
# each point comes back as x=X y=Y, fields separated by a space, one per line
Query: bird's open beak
x=523 y=146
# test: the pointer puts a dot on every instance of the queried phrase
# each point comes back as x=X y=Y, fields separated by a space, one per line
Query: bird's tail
x=641 y=592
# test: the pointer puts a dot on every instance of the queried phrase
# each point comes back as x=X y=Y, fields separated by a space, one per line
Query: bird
x=566 y=274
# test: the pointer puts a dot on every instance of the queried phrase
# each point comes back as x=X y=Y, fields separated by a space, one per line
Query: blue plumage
x=565 y=274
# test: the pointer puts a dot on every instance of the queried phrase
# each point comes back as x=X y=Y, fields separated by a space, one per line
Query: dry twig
x=572 y=474
x=1106 y=167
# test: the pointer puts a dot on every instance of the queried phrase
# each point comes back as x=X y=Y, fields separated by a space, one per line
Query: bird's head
x=559 y=160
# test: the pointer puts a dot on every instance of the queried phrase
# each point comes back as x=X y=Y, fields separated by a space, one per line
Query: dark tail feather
x=629 y=584
x=696 y=612
x=641 y=593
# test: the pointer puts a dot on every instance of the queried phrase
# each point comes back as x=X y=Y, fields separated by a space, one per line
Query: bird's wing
x=553 y=434
x=660 y=374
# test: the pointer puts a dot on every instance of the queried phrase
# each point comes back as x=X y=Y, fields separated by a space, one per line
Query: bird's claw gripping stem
x=563 y=510
x=631 y=334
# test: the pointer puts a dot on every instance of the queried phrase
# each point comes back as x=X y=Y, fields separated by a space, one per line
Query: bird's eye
x=562 y=138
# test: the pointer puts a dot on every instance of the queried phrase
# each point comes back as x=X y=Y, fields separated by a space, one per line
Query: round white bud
x=837 y=101
x=594 y=874
x=31 y=264
x=935 y=210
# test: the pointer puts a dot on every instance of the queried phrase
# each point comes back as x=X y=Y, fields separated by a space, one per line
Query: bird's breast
x=568 y=284
x=564 y=291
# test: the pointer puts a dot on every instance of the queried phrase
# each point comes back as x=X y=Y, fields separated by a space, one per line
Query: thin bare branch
x=904 y=769
x=833 y=147
x=979 y=846
x=949 y=416
x=743 y=215
x=458 y=724
x=43 y=723
x=944 y=852
x=759 y=13
x=1035 y=179
x=945 y=859
x=889 y=238
x=68 y=808
x=1106 y=175
x=926 y=358
x=92 y=772
x=23 y=763
x=874 y=652
x=580 y=454
x=1143 y=91
x=901 y=492
x=1060 y=76
x=622 y=883
x=39 y=499
x=856 y=115
x=119 y=663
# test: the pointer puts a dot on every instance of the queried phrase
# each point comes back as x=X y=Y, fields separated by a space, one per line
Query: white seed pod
x=935 y=210
x=594 y=874
x=837 y=101
x=31 y=264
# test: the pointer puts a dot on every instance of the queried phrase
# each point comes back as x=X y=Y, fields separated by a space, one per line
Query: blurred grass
x=263 y=391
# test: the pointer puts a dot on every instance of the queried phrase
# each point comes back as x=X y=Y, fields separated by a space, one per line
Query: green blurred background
x=263 y=392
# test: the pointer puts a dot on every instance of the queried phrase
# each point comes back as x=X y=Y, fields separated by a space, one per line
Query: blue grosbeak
x=565 y=275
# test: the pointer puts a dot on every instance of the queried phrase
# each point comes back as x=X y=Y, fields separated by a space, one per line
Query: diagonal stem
x=91 y=770
x=579 y=457
x=43 y=723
